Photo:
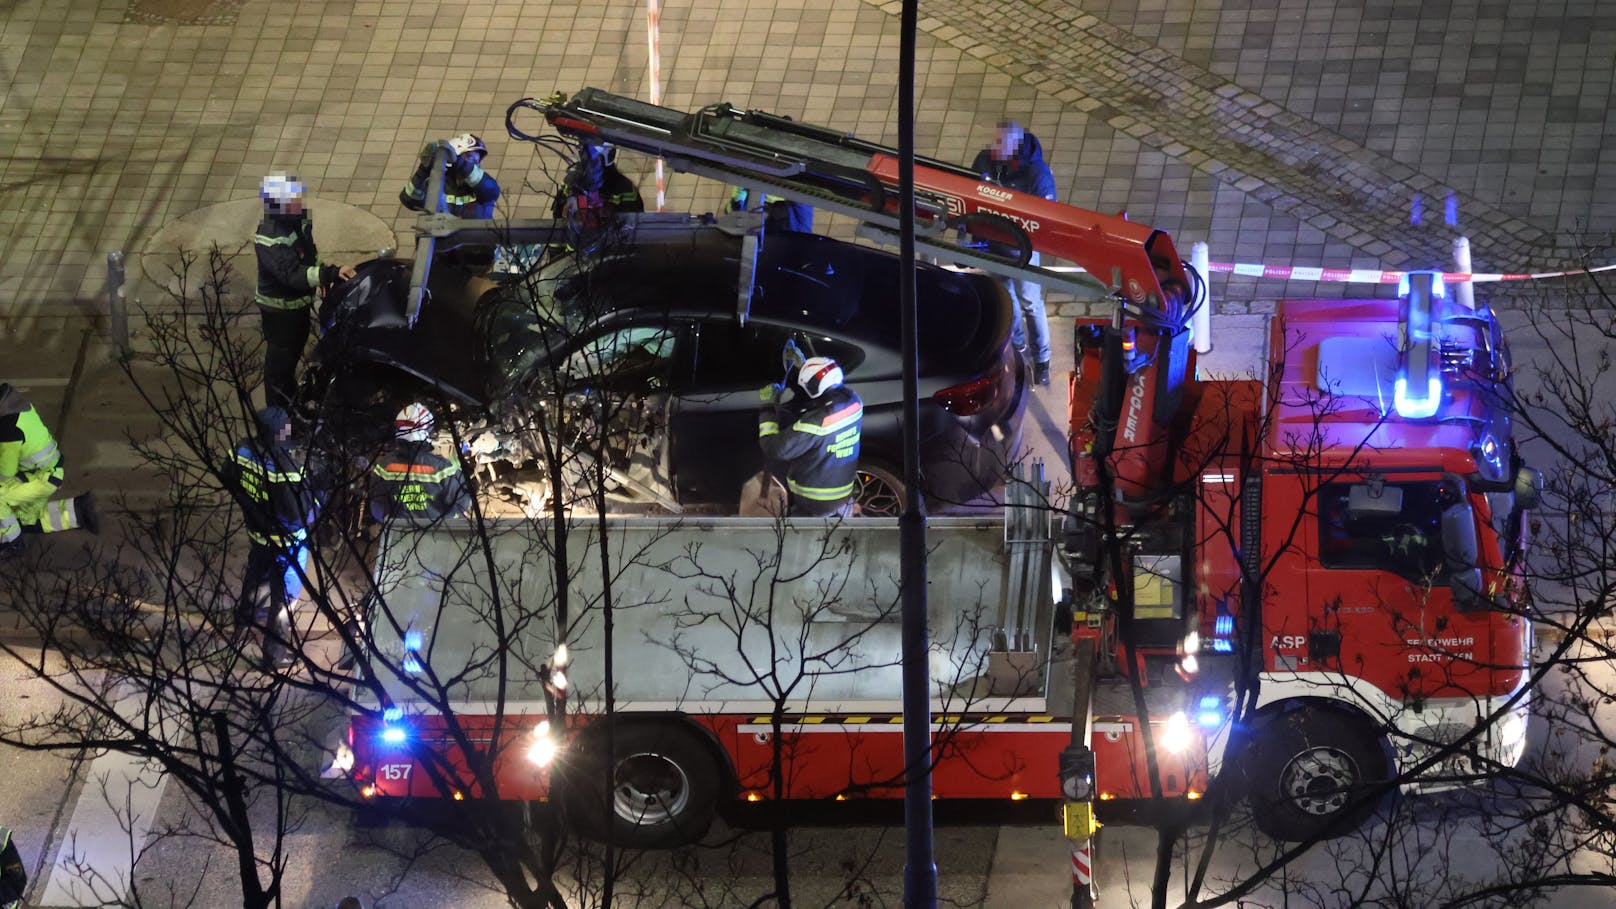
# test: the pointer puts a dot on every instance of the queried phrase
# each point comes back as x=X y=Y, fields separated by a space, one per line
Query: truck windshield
x=1406 y=541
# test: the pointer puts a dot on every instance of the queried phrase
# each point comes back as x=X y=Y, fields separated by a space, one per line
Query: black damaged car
x=650 y=335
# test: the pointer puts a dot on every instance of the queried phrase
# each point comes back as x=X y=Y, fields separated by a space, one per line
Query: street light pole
x=920 y=868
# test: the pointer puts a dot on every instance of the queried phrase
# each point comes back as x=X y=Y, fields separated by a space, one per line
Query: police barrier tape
x=1370 y=275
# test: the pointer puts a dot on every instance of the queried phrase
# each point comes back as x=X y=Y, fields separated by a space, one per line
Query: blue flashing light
x=1211 y=702
x=412 y=662
x=1210 y=712
x=394 y=735
x=392 y=714
x=1224 y=626
x=1439 y=287
x=1210 y=720
x=413 y=639
x=1417 y=408
x=1222 y=645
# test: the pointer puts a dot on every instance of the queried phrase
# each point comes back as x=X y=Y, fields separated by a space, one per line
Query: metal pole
x=426 y=245
x=920 y=867
x=1464 y=293
x=117 y=301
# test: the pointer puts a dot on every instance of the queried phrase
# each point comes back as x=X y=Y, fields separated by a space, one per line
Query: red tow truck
x=1306 y=575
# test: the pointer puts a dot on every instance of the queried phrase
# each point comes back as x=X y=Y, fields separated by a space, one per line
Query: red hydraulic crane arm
x=1137 y=261
x=838 y=172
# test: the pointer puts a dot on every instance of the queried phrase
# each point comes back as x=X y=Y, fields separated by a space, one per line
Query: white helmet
x=413 y=423
x=279 y=189
x=466 y=142
x=818 y=374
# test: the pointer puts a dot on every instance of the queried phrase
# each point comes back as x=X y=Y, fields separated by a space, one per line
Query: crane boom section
x=838 y=171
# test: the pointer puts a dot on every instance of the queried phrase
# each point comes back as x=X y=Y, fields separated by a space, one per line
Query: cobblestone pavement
x=1342 y=133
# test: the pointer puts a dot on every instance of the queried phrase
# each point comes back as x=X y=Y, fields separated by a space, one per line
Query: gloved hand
x=776 y=394
x=791 y=357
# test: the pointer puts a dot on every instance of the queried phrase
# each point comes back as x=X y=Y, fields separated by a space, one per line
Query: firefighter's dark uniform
x=814 y=444
x=417 y=485
x=290 y=274
x=594 y=184
x=30 y=474
x=468 y=190
x=13 y=876
x=280 y=499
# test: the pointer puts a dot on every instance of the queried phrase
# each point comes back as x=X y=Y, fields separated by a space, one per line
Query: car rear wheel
x=664 y=787
x=880 y=492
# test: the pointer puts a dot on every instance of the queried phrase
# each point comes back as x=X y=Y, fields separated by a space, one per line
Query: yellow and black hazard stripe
x=893 y=722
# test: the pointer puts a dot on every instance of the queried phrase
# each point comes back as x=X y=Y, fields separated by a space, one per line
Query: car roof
x=809 y=281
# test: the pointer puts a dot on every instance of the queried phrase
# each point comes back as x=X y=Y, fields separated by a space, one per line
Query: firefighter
x=468 y=190
x=778 y=213
x=809 y=432
x=30 y=474
x=290 y=276
x=280 y=498
x=13 y=876
x=1016 y=161
x=594 y=182
x=413 y=482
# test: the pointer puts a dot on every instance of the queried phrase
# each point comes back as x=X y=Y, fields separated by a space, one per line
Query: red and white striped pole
x=653 y=40
x=1083 y=874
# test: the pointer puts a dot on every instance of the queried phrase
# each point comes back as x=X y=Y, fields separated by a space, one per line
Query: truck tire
x=1310 y=774
x=880 y=491
x=665 y=788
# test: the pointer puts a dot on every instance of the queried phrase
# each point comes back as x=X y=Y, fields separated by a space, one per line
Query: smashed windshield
x=527 y=322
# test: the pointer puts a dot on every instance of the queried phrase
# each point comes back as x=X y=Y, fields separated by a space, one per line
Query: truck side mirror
x=1461 y=555
x=1528 y=488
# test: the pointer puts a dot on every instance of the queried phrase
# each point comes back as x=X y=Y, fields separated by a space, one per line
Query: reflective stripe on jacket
x=282 y=498
x=417 y=484
x=817 y=441
x=26 y=446
x=468 y=190
x=289 y=267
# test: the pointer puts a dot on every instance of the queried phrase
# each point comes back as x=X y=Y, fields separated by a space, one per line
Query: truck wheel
x=1310 y=773
x=880 y=491
x=664 y=791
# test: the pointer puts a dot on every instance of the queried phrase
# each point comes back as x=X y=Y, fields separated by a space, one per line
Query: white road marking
x=95 y=859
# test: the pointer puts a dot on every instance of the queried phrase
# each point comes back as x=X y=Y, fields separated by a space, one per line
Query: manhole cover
x=190 y=12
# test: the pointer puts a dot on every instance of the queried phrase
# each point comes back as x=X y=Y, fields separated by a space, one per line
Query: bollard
x=117 y=301
x=1464 y=292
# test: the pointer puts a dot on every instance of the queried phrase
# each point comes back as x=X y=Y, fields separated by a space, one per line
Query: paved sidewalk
x=1298 y=132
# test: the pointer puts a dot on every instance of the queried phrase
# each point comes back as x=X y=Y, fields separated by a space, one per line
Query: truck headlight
x=544 y=748
x=1512 y=738
x=1176 y=737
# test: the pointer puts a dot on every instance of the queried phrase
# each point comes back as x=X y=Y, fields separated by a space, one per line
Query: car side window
x=634 y=358
x=731 y=356
x=1407 y=542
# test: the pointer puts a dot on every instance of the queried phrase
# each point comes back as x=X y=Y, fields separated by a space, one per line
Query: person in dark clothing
x=809 y=432
x=1016 y=161
x=13 y=876
x=412 y=482
x=468 y=190
x=594 y=184
x=290 y=276
x=279 y=495
x=778 y=213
